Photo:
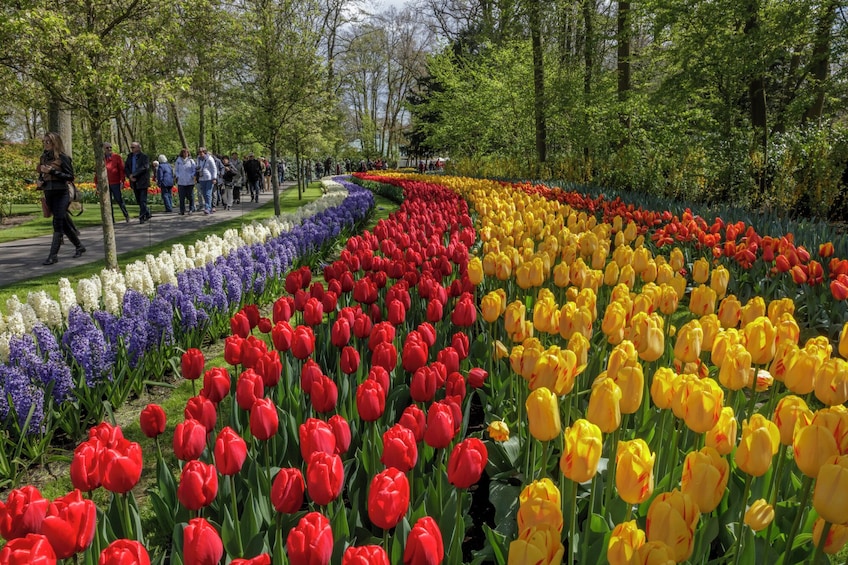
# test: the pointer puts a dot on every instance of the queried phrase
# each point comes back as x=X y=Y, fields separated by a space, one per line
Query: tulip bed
x=591 y=362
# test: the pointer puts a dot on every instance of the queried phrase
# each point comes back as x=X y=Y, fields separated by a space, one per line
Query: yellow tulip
x=702 y=300
x=543 y=414
x=753 y=309
x=665 y=273
x=611 y=273
x=801 y=369
x=730 y=311
x=759 y=443
x=705 y=476
x=647 y=335
x=514 y=317
x=788 y=330
x=679 y=284
x=575 y=319
x=718 y=280
x=555 y=370
x=791 y=413
x=523 y=332
x=621 y=355
x=631 y=381
x=700 y=271
x=499 y=350
x=812 y=446
x=577 y=271
x=475 y=271
x=614 y=321
x=837 y=536
x=503 y=266
x=546 y=316
x=843 y=341
x=680 y=393
x=538 y=544
x=622 y=255
x=668 y=299
x=579 y=345
x=641 y=257
x=687 y=348
x=537 y=512
x=649 y=274
x=835 y=419
x=672 y=519
x=605 y=404
x=561 y=276
x=777 y=308
x=711 y=327
x=653 y=553
x=831 y=382
x=543 y=489
x=662 y=387
x=819 y=345
x=760 y=340
x=490 y=264
x=627 y=276
x=676 y=259
x=736 y=372
x=634 y=471
x=759 y=515
x=490 y=307
x=782 y=352
x=723 y=341
x=830 y=498
x=498 y=430
x=582 y=451
x=722 y=437
x=703 y=405
x=630 y=232
x=625 y=539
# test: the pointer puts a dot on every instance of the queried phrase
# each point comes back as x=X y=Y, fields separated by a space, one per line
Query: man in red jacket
x=115 y=175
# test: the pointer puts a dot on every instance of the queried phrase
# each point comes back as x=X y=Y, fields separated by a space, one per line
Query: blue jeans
x=206 y=191
x=167 y=198
x=186 y=192
x=254 y=186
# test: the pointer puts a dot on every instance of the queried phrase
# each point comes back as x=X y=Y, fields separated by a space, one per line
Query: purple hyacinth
x=86 y=344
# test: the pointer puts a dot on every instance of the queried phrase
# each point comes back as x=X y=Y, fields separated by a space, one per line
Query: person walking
x=115 y=177
x=165 y=181
x=253 y=173
x=137 y=167
x=238 y=182
x=55 y=169
x=185 y=171
x=207 y=174
x=228 y=176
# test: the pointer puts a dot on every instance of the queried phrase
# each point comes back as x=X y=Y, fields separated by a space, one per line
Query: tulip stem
x=806 y=487
x=545 y=455
x=459 y=534
x=742 y=530
x=125 y=515
x=611 y=461
x=822 y=541
x=239 y=545
x=592 y=493
x=572 y=528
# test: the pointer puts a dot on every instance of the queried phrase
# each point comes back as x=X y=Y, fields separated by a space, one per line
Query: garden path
x=21 y=260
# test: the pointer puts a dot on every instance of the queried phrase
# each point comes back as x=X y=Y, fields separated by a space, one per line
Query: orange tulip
x=723 y=435
x=759 y=443
x=705 y=476
x=582 y=451
x=830 y=497
x=624 y=540
x=634 y=471
x=672 y=519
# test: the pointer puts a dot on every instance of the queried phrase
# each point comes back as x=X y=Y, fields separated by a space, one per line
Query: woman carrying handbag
x=55 y=170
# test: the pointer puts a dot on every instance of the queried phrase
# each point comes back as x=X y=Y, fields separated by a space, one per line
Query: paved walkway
x=21 y=260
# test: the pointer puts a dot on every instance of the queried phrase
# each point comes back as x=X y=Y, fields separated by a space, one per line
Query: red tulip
x=362 y=326
x=477 y=377
x=380 y=375
x=283 y=308
x=388 y=498
x=85 y=466
x=189 y=439
x=120 y=466
x=424 y=544
x=32 y=549
x=311 y=541
x=313 y=312
x=415 y=352
x=324 y=394
x=414 y=419
x=839 y=287
x=106 y=433
x=294 y=281
x=282 y=335
x=202 y=544
x=265 y=325
x=252 y=351
x=316 y=435
x=264 y=420
x=460 y=343
x=261 y=559
x=382 y=332
x=455 y=386
x=385 y=355
x=427 y=333
x=370 y=400
x=22 y=513
x=251 y=312
x=300 y=298
x=340 y=333
x=467 y=462
x=396 y=313
x=435 y=311
x=349 y=360
x=330 y=300
x=249 y=387
x=450 y=358
x=310 y=373
x=303 y=342
x=341 y=429
x=216 y=384
x=198 y=485
x=124 y=552
x=422 y=386
x=464 y=313
x=230 y=451
x=400 y=449
x=69 y=524
x=232 y=349
x=365 y=555
x=440 y=425
x=240 y=325
x=192 y=364
x=203 y=410
x=324 y=477
x=152 y=420
x=287 y=491
x=365 y=291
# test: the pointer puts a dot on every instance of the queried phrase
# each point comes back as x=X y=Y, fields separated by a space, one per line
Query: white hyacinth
x=5 y=338
x=88 y=294
x=15 y=323
x=46 y=309
x=67 y=297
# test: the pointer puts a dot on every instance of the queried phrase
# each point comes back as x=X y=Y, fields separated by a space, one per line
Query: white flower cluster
x=107 y=289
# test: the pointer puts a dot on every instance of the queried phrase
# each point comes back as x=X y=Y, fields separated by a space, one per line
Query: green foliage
x=17 y=170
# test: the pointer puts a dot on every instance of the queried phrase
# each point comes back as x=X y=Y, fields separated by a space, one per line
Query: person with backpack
x=165 y=181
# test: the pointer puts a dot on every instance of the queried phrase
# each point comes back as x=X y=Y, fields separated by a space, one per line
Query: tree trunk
x=538 y=83
x=110 y=250
x=201 y=135
x=178 y=123
x=820 y=65
x=757 y=99
x=275 y=180
x=624 y=67
x=588 y=46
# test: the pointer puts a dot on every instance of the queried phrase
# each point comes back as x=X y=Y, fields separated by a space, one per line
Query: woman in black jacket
x=55 y=169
